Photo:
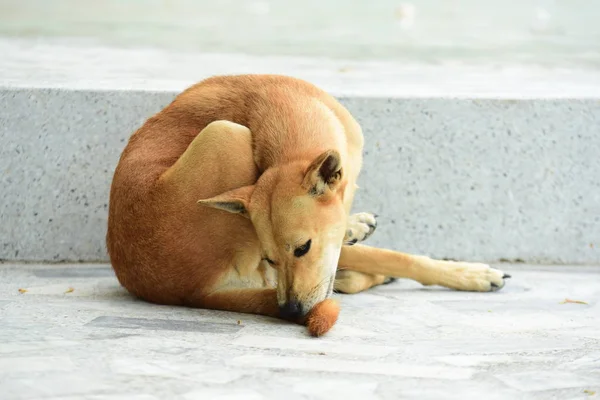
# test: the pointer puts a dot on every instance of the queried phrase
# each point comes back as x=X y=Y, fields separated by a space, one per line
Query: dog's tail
x=322 y=317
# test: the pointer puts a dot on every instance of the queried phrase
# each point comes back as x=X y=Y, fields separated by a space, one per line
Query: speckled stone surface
x=59 y=152
x=74 y=333
x=471 y=179
x=453 y=178
x=483 y=179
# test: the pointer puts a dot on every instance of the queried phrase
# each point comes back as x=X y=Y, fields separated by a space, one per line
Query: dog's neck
x=281 y=140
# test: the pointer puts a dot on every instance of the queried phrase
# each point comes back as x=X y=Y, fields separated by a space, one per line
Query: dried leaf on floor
x=566 y=301
x=69 y=290
x=22 y=291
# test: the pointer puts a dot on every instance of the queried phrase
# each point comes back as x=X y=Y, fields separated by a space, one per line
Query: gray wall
x=455 y=178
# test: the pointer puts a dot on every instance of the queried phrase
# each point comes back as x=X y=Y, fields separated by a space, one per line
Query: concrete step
x=460 y=162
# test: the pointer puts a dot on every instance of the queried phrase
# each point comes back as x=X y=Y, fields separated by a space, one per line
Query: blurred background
x=544 y=33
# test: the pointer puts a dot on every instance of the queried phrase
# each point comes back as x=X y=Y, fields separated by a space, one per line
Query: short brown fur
x=216 y=195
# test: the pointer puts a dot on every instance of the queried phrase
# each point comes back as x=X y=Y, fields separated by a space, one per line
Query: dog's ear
x=323 y=173
x=234 y=201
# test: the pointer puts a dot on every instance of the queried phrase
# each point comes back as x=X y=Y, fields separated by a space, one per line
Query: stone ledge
x=477 y=179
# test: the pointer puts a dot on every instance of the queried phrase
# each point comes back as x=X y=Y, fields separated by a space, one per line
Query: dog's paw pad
x=360 y=227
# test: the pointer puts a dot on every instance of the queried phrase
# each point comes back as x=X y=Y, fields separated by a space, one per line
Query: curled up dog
x=237 y=196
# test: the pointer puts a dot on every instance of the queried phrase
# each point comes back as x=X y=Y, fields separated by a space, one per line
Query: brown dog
x=237 y=197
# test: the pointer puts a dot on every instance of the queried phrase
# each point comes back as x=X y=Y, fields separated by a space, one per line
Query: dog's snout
x=291 y=310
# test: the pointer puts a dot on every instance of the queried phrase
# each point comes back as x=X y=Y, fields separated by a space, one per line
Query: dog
x=237 y=196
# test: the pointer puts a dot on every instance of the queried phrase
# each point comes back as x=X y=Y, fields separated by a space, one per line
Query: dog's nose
x=291 y=310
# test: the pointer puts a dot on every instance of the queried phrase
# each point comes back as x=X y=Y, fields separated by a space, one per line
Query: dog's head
x=299 y=216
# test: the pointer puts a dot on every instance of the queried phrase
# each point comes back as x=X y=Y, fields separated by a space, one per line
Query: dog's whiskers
x=316 y=287
x=330 y=288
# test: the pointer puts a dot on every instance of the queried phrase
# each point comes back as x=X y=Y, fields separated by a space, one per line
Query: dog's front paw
x=475 y=277
x=360 y=227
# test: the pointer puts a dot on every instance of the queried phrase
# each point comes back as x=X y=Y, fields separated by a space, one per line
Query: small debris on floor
x=566 y=301
x=69 y=290
x=22 y=291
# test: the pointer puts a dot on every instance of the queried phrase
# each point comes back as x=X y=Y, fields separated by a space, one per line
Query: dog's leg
x=456 y=275
x=360 y=227
x=350 y=282
x=219 y=159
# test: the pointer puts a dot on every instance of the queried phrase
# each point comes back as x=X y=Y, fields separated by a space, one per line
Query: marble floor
x=70 y=332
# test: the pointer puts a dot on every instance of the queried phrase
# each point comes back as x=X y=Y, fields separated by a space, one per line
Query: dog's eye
x=302 y=250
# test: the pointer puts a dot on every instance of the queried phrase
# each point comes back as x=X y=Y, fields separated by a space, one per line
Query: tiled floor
x=73 y=333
